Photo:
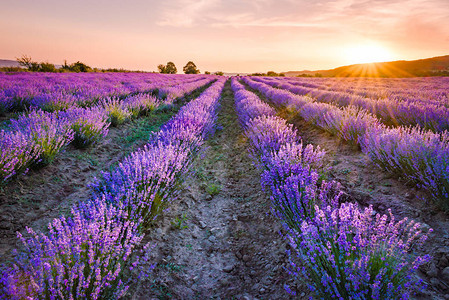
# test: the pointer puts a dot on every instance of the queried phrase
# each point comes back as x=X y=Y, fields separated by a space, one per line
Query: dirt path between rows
x=227 y=246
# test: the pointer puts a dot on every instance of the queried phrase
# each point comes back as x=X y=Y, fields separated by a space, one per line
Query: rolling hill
x=8 y=63
x=402 y=68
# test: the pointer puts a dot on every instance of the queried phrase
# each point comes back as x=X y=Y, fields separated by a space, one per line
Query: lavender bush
x=88 y=124
x=350 y=123
x=418 y=155
x=248 y=104
x=17 y=153
x=117 y=110
x=347 y=253
x=293 y=181
x=267 y=134
x=54 y=101
x=49 y=133
x=141 y=104
x=145 y=181
x=81 y=257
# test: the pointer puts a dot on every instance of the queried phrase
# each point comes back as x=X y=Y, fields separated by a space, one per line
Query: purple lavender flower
x=421 y=156
x=117 y=110
x=49 y=133
x=83 y=256
x=88 y=124
x=348 y=253
x=17 y=154
x=267 y=134
x=141 y=104
x=145 y=181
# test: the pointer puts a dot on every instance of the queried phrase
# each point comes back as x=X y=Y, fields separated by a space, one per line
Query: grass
x=162 y=289
x=86 y=156
x=179 y=222
x=345 y=171
x=172 y=267
x=213 y=189
x=143 y=127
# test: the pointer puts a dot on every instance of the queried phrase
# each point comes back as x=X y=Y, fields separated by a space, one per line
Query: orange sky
x=227 y=35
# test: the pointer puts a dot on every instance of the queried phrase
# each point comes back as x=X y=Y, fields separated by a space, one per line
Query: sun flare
x=367 y=53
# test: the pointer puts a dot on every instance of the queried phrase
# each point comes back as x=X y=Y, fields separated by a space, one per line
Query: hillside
x=423 y=67
x=8 y=63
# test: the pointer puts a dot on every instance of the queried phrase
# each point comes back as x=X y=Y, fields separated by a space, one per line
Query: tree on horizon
x=169 y=68
x=190 y=68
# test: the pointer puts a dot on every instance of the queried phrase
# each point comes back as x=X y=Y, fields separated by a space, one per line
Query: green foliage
x=118 y=116
x=269 y=73
x=190 y=68
x=161 y=68
x=117 y=112
x=207 y=73
x=33 y=66
x=27 y=62
x=47 y=67
x=142 y=128
x=76 y=67
x=169 y=68
x=12 y=69
x=219 y=73
x=213 y=189
x=178 y=222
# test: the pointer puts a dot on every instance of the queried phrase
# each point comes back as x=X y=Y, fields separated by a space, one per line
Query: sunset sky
x=227 y=35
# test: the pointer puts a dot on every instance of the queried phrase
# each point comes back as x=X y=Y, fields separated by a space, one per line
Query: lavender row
x=178 y=91
x=35 y=138
x=88 y=255
x=342 y=251
x=427 y=115
x=52 y=92
x=415 y=154
x=429 y=90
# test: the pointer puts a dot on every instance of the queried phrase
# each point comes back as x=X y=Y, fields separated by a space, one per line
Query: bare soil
x=228 y=245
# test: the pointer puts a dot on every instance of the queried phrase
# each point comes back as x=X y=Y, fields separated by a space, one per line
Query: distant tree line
x=269 y=73
x=33 y=66
x=28 y=64
x=310 y=75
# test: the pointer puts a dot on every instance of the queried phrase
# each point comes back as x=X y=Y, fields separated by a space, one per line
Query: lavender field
x=163 y=186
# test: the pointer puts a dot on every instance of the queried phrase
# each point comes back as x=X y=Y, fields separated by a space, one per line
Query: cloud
x=350 y=15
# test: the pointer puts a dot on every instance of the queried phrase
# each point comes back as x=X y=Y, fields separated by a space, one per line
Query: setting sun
x=366 y=53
